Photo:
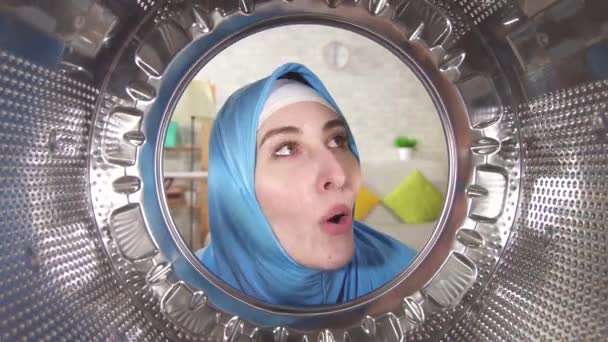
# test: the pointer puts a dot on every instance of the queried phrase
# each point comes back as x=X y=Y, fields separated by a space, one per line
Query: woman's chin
x=327 y=254
x=337 y=264
x=340 y=255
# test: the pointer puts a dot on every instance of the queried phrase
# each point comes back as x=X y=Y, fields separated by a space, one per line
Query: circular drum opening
x=386 y=106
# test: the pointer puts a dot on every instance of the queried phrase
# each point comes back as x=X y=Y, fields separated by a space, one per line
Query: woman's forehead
x=306 y=114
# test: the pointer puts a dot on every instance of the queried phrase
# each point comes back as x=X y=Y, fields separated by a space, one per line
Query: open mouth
x=336 y=218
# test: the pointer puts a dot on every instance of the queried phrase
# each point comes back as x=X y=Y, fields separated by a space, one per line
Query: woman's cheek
x=356 y=175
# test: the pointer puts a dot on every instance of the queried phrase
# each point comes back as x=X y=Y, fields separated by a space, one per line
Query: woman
x=283 y=177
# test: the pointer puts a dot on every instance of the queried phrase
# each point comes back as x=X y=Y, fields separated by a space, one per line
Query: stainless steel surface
x=55 y=282
x=88 y=249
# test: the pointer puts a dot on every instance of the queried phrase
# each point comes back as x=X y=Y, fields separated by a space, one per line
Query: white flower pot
x=405 y=153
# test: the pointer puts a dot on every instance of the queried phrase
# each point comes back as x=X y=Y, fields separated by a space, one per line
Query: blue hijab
x=244 y=251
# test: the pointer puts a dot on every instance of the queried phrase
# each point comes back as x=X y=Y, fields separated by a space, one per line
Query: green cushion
x=415 y=200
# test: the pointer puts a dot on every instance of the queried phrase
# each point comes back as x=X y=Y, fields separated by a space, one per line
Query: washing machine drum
x=88 y=250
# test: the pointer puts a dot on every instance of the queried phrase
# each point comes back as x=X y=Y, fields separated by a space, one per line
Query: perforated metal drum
x=87 y=248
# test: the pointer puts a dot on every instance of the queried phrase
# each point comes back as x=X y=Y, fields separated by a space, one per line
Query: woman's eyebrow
x=280 y=130
x=334 y=123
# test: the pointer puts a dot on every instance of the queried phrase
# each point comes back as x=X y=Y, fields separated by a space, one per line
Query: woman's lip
x=345 y=224
x=335 y=210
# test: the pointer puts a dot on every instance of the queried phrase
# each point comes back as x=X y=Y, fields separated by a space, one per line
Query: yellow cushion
x=415 y=200
x=366 y=200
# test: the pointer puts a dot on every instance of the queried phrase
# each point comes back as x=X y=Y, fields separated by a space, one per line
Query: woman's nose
x=332 y=174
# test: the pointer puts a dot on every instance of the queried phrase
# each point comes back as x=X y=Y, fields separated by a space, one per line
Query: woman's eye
x=338 y=141
x=285 y=150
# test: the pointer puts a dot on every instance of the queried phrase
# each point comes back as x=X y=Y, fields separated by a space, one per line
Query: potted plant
x=405 y=147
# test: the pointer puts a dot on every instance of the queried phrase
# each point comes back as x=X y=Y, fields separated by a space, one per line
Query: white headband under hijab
x=285 y=92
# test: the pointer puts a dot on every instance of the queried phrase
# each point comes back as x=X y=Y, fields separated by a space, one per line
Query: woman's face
x=306 y=181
